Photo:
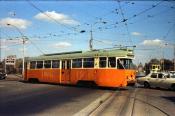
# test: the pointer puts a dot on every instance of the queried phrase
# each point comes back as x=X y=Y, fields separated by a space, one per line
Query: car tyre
x=146 y=85
x=173 y=87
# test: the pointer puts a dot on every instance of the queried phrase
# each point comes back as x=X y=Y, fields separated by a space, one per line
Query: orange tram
x=106 y=68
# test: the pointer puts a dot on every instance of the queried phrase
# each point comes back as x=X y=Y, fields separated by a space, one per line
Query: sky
x=62 y=26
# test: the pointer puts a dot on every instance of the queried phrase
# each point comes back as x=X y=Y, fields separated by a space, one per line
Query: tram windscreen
x=125 y=64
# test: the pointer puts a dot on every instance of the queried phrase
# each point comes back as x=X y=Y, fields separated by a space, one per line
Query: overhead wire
x=154 y=15
x=100 y=18
x=145 y=10
x=125 y=22
x=14 y=45
x=53 y=19
x=22 y=43
x=101 y=41
x=37 y=38
x=169 y=30
x=36 y=46
x=52 y=35
x=142 y=12
x=115 y=11
x=134 y=16
x=6 y=35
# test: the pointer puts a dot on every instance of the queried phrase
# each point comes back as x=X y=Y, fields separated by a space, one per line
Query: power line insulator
x=104 y=22
x=124 y=20
x=82 y=31
x=153 y=6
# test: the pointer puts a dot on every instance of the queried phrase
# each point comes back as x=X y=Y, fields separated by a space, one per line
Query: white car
x=158 y=79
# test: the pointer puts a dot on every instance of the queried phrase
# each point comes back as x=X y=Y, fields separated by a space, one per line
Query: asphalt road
x=18 y=98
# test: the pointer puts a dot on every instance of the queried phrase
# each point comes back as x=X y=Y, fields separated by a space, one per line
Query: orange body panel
x=65 y=76
x=111 y=78
x=102 y=77
x=45 y=75
x=82 y=74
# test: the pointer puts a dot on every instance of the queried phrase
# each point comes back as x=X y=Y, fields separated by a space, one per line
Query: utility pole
x=174 y=56
x=91 y=37
x=4 y=52
x=5 y=67
x=173 y=44
x=23 y=42
x=91 y=40
x=163 y=68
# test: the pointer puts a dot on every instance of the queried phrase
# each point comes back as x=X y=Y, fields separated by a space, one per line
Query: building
x=10 y=60
x=10 y=64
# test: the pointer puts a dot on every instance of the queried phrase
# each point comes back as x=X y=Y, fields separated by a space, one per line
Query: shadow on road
x=38 y=101
x=170 y=98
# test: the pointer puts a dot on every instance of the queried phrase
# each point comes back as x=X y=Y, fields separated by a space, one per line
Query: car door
x=160 y=81
x=165 y=82
x=153 y=79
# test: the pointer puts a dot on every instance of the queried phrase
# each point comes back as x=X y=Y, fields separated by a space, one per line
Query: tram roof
x=83 y=54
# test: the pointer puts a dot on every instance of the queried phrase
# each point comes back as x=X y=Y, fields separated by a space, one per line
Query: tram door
x=65 y=72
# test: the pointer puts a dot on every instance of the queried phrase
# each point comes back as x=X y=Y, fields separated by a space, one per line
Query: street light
x=23 y=42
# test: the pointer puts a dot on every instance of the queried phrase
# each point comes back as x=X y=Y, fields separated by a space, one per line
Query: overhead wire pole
x=174 y=56
x=91 y=40
x=5 y=69
x=23 y=42
x=1 y=52
x=91 y=34
x=0 y=44
x=173 y=44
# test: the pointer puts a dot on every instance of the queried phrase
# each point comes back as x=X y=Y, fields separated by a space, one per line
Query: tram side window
x=39 y=64
x=76 y=63
x=55 y=64
x=102 y=63
x=111 y=62
x=88 y=63
x=120 y=64
x=32 y=64
x=47 y=64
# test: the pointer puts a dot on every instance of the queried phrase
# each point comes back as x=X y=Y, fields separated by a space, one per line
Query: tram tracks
x=92 y=107
x=127 y=103
x=150 y=106
x=147 y=108
x=115 y=105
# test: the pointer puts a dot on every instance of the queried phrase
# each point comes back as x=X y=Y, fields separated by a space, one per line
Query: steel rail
x=149 y=105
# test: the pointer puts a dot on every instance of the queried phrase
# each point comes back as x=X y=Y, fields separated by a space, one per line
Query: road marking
x=103 y=106
x=95 y=104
